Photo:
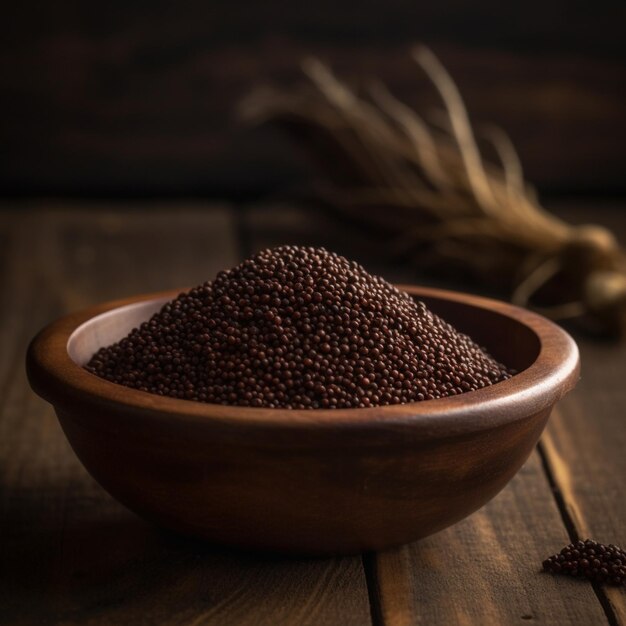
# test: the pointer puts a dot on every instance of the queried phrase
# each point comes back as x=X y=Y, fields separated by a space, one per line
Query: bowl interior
x=505 y=338
x=508 y=340
x=109 y=327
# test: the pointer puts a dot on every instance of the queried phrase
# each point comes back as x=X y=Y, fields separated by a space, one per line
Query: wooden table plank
x=68 y=552
x=71 y=554
x=583 y=446
x=585 y=440
x=487 y=568
x=437 y=581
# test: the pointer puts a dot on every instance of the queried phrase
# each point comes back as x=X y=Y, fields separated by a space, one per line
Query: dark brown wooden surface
x=486 y=569
x=139 y=98
x=70 y=554
x=584 y=444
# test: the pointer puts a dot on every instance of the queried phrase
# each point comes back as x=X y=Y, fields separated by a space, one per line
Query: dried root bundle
x=429 y=189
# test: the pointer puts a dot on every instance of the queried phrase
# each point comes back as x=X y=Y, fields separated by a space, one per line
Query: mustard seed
x=590 y=559
x=299 y=328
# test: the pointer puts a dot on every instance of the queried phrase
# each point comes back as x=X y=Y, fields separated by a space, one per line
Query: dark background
x=137 y=98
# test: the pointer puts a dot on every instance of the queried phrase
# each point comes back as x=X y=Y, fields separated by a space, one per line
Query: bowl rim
x=57 y=378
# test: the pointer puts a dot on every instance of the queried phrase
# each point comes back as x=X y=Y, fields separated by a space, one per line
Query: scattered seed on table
x=590 y=559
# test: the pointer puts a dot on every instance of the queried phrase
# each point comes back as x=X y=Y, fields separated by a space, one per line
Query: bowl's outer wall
x=304 y=501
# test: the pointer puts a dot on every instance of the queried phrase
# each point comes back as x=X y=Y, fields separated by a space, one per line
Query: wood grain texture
x=68 y=552
x=487 y=568
x=140 y=99
x=585 y=441
x=584 y=447
x=511 y=535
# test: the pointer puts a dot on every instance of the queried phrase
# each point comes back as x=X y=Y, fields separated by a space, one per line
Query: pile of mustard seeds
x=298 y=328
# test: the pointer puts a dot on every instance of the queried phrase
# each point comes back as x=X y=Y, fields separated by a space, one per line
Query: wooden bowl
x=306 y=481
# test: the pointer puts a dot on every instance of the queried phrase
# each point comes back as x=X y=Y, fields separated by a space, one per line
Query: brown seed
x=589 y=559
x=297 y=327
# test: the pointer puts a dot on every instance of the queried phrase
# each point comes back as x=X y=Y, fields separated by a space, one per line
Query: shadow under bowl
x=306 y=481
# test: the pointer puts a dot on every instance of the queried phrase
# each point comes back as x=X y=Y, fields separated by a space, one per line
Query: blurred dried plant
x=426 y=186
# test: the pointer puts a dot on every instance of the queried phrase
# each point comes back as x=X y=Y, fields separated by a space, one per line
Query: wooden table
x=71 y=555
